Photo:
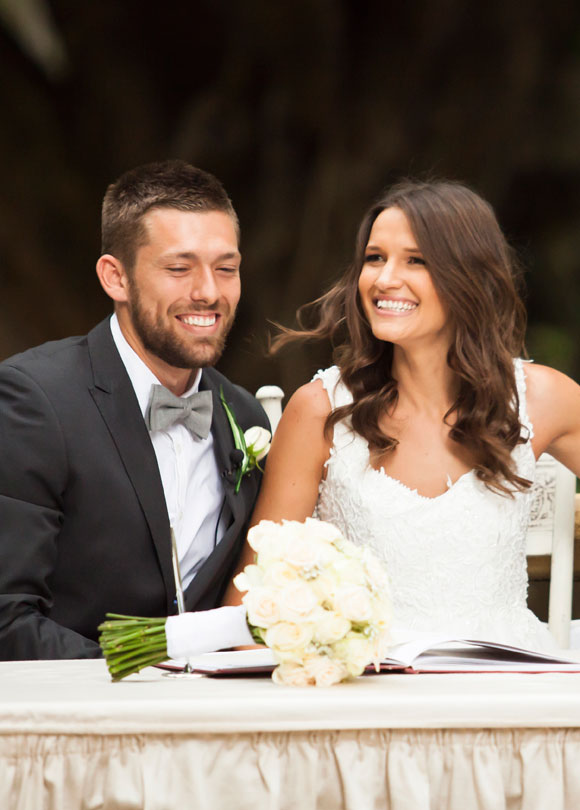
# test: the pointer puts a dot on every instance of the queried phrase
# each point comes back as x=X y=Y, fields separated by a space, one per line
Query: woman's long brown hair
x=476 y=276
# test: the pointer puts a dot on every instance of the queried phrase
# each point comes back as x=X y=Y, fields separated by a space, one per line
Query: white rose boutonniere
x=257 y=442
x=254 y=443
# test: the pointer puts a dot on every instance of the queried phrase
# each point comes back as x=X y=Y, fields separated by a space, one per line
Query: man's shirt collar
x=141 y=376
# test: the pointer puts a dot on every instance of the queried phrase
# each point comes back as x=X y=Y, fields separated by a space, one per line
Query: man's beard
x=160 y=341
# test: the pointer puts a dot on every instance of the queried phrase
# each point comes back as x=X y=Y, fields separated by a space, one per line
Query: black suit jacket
x=84 y=528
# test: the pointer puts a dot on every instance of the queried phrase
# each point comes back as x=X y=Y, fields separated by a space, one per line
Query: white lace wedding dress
x=457 y=562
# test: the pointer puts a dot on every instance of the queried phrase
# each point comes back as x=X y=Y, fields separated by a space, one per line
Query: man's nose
x=203 y=285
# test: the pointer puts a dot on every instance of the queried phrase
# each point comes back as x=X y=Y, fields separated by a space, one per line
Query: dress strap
x=520 y=375
x=339 y=395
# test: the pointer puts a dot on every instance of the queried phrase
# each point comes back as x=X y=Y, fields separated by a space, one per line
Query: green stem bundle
x=131 y=643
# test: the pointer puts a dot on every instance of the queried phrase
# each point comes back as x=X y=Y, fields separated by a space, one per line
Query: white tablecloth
x=69 y=738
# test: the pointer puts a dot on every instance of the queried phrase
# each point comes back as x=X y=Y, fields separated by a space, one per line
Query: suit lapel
x=115 y=398
x=220 y=560
x=223 y=445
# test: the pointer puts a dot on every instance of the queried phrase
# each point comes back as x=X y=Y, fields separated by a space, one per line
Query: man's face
x=183 y=290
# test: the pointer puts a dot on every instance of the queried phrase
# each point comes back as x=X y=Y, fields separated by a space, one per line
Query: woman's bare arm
x=295 y=465
x=554 y=410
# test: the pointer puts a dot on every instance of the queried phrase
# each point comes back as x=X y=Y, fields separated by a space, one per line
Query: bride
x=422 y=440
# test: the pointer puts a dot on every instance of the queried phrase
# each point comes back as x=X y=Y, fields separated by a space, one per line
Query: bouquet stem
x=131 y=643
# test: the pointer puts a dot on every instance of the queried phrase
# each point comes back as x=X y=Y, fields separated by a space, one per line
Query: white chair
x=551 y=531
x=270 y=398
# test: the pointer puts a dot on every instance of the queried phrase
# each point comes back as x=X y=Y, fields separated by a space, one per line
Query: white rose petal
x=297 y=602
x=355 y=652
x=380 y=647
x=262 y=606
x=266 y=532
x=324 y=670
x=288 y=637
x=250 y=577
x=289 y=673
x=303 y=553
x=376 y=571
x=279 y=574
x=331 y=628
x=349 y=571
x=354 y=603
x=325 y=586
x=258 y=441
x=321 y=530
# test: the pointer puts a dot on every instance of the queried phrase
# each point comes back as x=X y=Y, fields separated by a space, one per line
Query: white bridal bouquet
x=318 y=601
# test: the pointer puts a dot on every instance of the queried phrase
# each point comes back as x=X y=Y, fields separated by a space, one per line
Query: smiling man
x=112 y=440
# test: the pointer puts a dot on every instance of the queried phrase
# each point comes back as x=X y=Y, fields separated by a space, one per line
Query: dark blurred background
x=305 y=110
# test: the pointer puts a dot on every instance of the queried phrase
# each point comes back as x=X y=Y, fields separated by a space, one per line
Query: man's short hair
x=164 y=184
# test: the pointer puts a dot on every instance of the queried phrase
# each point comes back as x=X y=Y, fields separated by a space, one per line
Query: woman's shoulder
x=310 y=400
x=544 y=384
x=553 y=399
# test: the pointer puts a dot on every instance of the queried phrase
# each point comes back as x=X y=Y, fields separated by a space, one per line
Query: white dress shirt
x=193 y=488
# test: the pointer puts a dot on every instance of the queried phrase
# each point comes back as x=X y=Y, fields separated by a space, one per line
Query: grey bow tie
x=165 y=409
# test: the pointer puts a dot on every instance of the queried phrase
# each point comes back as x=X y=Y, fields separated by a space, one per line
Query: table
x=69 y=738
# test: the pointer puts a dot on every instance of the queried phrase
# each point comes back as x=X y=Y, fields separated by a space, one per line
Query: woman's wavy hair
x=477 y=277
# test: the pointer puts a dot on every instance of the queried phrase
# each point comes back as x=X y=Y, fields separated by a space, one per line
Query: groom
x=99 y=455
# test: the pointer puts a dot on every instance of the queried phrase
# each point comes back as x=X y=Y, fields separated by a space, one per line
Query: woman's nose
x=389 y=275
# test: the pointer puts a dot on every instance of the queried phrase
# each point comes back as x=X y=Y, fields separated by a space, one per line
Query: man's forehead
x=169 y=219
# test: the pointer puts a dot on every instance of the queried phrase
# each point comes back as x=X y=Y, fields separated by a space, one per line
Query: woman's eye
x=371 y=258
x=177 y=269
x=417 y=260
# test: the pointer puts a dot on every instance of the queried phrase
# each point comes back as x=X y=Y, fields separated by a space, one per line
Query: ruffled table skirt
x=528 y=769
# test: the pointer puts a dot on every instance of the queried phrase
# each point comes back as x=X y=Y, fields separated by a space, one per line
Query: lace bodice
x=457 y=562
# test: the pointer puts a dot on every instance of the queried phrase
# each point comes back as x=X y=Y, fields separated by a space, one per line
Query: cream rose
x=265 y=533
x=324 y=586
x=324 y=670
x=354 y=603
x=297 y=602
x=355 y=652
x=279 y=574
x=286 y=637
x=250 y=577
x=348 y=570
x=304 y=553
x=331 y=627
x=289 y=673
x=320 y=530
x=262 y=607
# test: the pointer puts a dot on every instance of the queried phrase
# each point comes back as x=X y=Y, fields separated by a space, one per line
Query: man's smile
x=199 y=320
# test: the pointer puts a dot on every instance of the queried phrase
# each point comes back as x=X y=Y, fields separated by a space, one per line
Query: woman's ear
x=113 y=277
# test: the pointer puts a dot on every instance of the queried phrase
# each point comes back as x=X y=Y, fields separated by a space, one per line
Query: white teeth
x=398 y=306
x=199 y=320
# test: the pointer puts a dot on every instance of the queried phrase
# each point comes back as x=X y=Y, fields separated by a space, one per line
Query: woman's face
x=396 y=289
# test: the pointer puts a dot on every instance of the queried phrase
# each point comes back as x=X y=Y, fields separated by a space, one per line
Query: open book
x=425 y=655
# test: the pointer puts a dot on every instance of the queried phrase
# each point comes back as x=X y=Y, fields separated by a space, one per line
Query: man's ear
x=113 y=277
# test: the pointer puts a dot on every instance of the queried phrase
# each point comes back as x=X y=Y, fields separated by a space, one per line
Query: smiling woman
x=421 y=441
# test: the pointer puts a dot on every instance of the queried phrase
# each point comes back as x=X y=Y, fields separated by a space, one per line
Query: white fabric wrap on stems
x=204 y=631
